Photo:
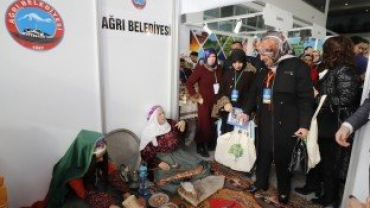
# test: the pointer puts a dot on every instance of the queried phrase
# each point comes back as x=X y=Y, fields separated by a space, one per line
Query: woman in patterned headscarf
x=282 y=98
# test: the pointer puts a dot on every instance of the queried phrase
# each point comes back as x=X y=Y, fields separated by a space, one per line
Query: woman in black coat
x=235 y=86
x=338 y=80
x=283 y=99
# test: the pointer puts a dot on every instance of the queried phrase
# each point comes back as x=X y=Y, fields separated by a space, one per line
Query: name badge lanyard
x=270 y=77
x=216 y=86
x=237 y=79
x=235 y=92
x=267 y=91
x=214 y=73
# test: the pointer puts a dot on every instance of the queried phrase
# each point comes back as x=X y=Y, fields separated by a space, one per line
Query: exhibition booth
x=110 y=61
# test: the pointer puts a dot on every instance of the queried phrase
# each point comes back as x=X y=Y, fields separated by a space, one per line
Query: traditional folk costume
x=160 y=143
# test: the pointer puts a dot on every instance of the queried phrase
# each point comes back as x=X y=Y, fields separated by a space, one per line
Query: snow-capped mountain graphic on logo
x=34 y=19
x=37 y=18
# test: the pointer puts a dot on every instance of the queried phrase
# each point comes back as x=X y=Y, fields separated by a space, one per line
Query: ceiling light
x=206 y=28
x=345 y=4
x=238 y=26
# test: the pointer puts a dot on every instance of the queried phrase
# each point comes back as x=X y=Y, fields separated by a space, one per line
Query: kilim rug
x=233 y=194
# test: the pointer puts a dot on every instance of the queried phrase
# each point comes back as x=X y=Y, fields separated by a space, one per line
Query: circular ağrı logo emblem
x=139 y=4
x=34 y=24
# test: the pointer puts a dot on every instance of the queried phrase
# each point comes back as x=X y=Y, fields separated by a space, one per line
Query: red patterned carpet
x=233 y=196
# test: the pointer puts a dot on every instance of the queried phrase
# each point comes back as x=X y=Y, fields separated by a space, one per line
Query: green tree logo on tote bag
x=236 y=150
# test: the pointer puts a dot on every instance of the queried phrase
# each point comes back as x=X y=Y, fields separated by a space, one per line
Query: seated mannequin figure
x=84 y=177
x=159 y=147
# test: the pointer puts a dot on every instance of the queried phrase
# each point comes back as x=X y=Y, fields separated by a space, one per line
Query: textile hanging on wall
x=200 y=40
x=300 y=43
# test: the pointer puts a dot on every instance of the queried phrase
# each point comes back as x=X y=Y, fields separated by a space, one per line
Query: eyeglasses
x=266 y=52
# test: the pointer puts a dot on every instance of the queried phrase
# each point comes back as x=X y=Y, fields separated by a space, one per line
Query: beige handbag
x=313 y=151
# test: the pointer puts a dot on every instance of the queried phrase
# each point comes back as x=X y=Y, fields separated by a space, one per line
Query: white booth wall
x=137 y=67
x=47 y=97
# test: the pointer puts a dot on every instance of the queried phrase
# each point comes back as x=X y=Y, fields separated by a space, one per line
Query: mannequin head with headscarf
x=272 y=47
x=156 y=125
x=100 y=150
x=86 y=156
x=210 y=58
x=99 y=165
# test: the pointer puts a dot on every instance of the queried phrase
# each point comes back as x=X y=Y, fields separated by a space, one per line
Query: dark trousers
x=328 y=148
x=264 y=161
x=314 y=177
x=272 y=148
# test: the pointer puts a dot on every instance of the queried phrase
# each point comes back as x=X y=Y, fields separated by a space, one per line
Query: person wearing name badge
x=282 y=97
x=208 y=77
x=235 y=86
x=228 y=64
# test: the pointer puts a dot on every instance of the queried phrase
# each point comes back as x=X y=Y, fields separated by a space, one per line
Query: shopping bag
x=313 y=151
x=236 y=150
x=299 y=158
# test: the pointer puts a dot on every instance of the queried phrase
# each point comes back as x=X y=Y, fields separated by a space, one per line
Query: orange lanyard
x=270 y=77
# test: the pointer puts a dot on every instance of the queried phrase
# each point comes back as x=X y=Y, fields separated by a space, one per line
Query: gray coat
x=361 y=116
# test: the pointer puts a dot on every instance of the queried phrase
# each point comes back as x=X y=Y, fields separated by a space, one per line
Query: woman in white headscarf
x=159 y=147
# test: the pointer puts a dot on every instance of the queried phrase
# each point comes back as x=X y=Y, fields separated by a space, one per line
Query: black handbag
x=299 y=159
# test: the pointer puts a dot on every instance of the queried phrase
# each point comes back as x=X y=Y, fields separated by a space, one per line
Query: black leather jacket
x=340 y=84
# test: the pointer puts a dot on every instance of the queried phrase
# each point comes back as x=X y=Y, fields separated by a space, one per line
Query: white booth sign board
x=126 y=23
x=277 y=18
x=136 y=70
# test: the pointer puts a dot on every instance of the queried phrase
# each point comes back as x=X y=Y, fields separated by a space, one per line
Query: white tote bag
x=313 y=151
x=236 y=150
